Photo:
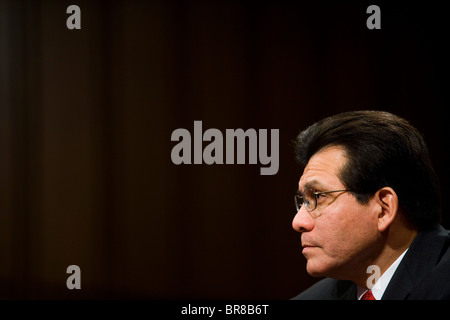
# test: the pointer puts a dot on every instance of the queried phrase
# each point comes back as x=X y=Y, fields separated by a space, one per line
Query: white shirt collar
x=382 y=283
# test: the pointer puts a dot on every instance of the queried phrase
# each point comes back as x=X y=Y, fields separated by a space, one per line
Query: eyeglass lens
x=308 y=199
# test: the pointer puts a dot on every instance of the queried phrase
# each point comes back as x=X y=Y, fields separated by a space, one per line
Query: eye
x=320 y=196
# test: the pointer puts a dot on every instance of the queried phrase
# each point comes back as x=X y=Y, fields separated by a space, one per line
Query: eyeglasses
x=309 y=199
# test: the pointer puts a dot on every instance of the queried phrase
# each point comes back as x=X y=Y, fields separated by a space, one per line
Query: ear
x=387 y=200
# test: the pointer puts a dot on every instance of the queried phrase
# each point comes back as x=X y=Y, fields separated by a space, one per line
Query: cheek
x=347 y=232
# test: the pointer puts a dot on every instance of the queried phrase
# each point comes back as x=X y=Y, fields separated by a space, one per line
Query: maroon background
x=86 y=117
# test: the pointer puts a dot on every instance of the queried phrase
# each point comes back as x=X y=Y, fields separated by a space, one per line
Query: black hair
x=382 y=150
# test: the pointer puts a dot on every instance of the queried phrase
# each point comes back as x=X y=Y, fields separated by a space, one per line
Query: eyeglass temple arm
x=323 y=192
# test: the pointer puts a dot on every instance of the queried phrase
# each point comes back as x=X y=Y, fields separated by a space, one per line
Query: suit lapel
x=345 y=290
x=421 y=257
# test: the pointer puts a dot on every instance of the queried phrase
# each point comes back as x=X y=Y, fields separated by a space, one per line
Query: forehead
x=322 y=169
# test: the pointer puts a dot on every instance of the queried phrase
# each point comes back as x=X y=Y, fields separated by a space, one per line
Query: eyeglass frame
x=299 y=196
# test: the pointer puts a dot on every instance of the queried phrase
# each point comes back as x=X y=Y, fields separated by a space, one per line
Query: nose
x=302 y=221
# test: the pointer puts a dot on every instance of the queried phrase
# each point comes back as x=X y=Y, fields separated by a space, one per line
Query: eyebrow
x=313 y=184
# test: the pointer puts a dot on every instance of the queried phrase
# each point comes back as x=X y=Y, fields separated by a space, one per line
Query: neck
x=393 y=242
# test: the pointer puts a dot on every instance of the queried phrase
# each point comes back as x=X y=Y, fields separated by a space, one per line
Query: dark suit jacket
x=424 y=273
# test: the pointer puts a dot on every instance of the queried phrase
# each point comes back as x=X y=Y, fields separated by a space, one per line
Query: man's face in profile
x=339 y=236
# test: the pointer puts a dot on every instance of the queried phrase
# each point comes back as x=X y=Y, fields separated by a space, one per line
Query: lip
x=307 y=248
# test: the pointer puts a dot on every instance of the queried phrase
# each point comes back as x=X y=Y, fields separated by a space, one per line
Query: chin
x=317 y=270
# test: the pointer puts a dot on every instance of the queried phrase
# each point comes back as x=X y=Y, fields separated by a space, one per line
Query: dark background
x=86 y=118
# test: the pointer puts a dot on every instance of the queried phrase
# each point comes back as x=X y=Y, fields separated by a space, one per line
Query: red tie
x=368 y=296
